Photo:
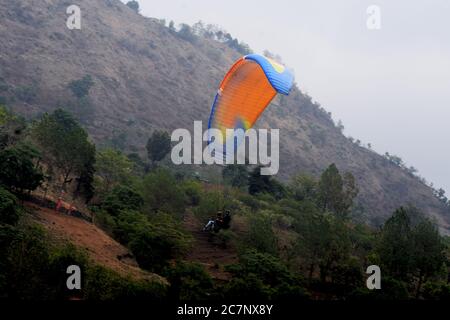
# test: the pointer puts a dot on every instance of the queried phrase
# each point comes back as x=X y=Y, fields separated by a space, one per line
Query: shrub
x=122 y=198
x=17 y=170
x=59 y=259
x=189 y=282
x=436 y=291
x=133 y=5
x=80 y=88
x=187 y=34
x=260 y=275
x=25 y=265
x=224 y=237
x=162 y=193
x=211 y=202
x=193 y=190
x=153 y=241
x=250 y=201
x=26 y=93
x=102 y=284
x=261 y=236
x=9 y=210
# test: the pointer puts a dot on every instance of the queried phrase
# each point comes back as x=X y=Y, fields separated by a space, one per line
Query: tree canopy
x=65 y=143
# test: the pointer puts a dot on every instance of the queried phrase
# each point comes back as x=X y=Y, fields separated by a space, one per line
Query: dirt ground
x=101 y=248
x=212 y=256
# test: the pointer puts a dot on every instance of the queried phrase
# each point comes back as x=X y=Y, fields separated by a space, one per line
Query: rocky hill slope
x=148 y=76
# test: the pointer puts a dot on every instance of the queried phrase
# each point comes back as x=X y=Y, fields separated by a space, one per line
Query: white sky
x=390 y=87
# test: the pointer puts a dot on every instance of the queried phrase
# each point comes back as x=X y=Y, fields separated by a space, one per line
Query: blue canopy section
x=279 y=77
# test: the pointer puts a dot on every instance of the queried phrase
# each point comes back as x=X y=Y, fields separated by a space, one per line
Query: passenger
x=209 y=225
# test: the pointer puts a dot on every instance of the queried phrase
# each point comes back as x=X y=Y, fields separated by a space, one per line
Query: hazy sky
x=390 y=87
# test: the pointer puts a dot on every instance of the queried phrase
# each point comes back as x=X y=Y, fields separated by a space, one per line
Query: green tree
x=154 y=241
x=171 y=25
x=427 y=252
x=80 y=88
x=138 y=164
x=236 y=175
x=189 y=282
x=65 y=143
x=395 y=246
x=11 y=128
x=85 y=182
x=133 y=5
x=410 y=248
x=258 y=183
x=260 y=275
x=336 y=194
x=113 y=168
x=162 y=193
x=186 y=33
x=261 y=236
x=323 y=242
x=304 y=187
x=18 y=171
x=9 y=209
x=158 y=146
x=122 y=198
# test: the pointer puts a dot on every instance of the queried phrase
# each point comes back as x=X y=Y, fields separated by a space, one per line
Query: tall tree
x=113 y=168
x=395 y=246
x=158 y=146
x=258 y=183
x=304 y=187
x=85 y=182
x=428 y=252
x=336 y=194
x=65 y=143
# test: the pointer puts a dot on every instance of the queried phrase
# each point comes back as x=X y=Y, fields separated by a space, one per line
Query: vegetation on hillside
x=299 y=240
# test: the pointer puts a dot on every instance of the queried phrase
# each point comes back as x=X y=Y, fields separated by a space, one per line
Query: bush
x=17 y=170
x=224 y=237
x=33 y=267
x=209 y=205
x=153 y=241
x=26 y=93
x=247 y=287
x=80 y=88
x=250 y=201
x=436 y=291
x=258 y=184
x=133 y=5
x=262 y=276
x=59 y=259
x=162 y=193
x=122 y=198
x=9 y=210
x=189 y=282
x=261 y=236
x=391 y=290
x=25 y=265
x=187 y=34
x=102 y=284
x=193 y=190
x=235 y=175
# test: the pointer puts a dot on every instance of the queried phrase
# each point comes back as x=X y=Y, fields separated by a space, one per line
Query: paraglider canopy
x=246 y=91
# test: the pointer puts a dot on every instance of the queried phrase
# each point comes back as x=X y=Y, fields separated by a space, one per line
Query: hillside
x=148 y=77
x=101 y=248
